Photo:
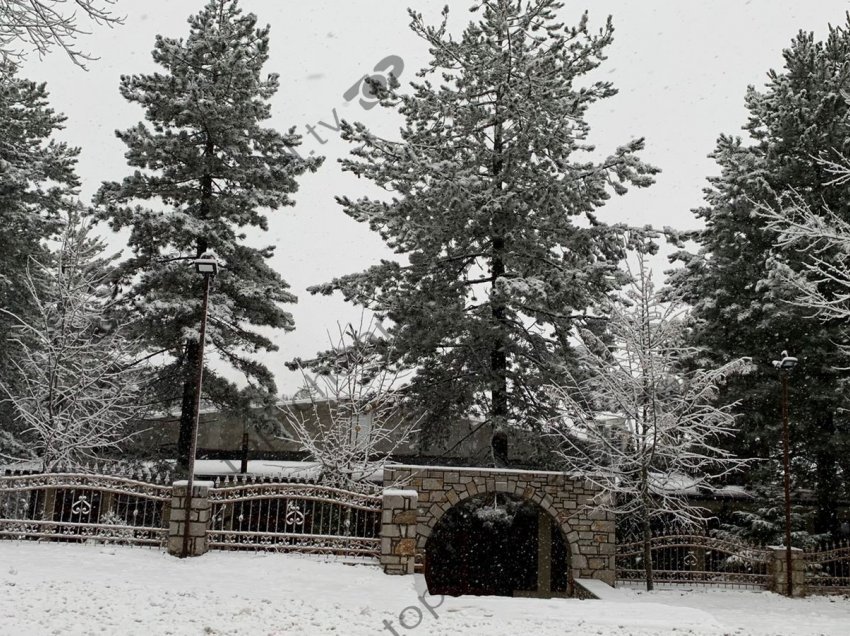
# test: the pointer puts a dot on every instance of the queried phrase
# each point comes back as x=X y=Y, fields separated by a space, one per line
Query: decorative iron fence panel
x=83 y=507
x=695 y=560
x=828 y=569
x=295 y=517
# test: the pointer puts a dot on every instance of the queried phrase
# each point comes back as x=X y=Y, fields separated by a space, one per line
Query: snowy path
x=71 y=589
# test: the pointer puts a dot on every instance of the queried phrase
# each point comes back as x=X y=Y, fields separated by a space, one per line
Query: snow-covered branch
x=43 y=24
x=353 y=415
x=78 y=380
x=660 y=439
x=823 y=239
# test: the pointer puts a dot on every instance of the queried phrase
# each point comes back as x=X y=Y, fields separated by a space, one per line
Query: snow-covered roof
x=292 y=470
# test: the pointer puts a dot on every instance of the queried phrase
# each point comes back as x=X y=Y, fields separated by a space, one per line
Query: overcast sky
x=681 y=67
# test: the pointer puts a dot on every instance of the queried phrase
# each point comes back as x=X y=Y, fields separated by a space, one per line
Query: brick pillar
x=776 y=570
x=198 y=517
x=398 y=531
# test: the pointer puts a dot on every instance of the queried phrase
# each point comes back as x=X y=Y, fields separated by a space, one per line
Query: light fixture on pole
x=207 y=266
x=784 y=366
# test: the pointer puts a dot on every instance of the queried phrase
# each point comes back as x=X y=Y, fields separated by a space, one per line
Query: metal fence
x=690 y=559
x=84 y=507
x=828 y=569
x=295 y=517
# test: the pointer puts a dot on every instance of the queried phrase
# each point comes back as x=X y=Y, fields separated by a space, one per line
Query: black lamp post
x=207 y=266
x=784 y=366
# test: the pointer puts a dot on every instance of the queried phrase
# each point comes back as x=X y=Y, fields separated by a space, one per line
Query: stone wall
x=777 y=569
x=196 y=512
x=588 y=532
x=398 y=531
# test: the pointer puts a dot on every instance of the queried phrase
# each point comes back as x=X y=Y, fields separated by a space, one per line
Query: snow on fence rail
x=828 y=569
x=295 y=517
x=247 y=513
x=692 y=559
x=84 y=507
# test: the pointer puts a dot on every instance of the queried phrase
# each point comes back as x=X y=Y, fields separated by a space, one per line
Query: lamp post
x=784 y=366
x=207 y=266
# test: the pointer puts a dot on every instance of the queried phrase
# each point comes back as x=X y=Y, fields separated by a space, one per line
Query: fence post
x=198 y=517
x=398 y=531
x=778 y=581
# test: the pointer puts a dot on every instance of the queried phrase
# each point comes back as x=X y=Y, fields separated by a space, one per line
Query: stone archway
x=497 y=545
x=568 y=499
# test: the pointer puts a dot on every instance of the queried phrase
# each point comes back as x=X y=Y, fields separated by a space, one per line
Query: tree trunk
x=646 y=505
x=190 y=368
x=647 y=552
x=187 y=410
x=498 y=356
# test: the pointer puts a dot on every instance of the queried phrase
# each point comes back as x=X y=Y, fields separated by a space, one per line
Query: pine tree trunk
x=187 y=410
x=498 y=356
x=190 y=368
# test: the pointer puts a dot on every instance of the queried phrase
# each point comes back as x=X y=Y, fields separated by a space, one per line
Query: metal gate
x=82 y=507
x=690 y=559
x=828 y=569
x=288 y=517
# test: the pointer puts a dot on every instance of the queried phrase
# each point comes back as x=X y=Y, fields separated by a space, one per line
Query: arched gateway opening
x=579 y=536
x=497 y=545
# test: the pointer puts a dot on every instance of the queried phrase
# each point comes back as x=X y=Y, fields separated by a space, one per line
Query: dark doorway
x=489 y=546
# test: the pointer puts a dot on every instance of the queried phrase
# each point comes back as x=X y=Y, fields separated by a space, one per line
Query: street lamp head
x=786 y=363
x=206 y=265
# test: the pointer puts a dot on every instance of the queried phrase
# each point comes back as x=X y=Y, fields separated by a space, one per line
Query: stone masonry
x=777 y=567
x=588 y=532
x=198 y=517
x=398 y=531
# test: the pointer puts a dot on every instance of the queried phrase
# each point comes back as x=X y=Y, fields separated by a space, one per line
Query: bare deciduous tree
x=664 y=440
x=354 y=414
x=42 y=24
x=79 y=381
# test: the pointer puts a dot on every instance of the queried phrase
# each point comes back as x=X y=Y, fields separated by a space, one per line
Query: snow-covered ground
x=73 y=589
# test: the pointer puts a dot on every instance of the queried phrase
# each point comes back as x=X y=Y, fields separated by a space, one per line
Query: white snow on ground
x=78 y=589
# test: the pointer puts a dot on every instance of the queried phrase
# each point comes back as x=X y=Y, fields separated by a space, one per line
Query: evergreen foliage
x=37 y=183
x=205 y=169
x=744 y=303
x=492 y=209
x=766 y=526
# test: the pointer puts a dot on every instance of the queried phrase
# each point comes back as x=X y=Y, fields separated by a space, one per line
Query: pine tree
x=37 y=182
x=207 y=170
x=79 y=380
x=493 y=206
x=743 y=306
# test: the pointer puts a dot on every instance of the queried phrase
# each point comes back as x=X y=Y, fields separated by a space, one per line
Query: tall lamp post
x=207 y=266
x=784 y=366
